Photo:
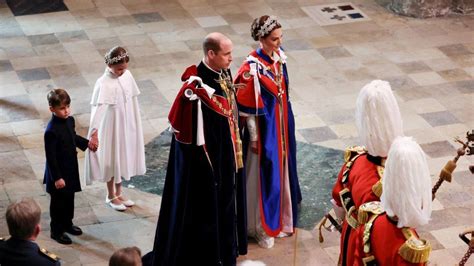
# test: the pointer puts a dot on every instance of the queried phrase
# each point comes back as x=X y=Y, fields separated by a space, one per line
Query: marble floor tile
x=317 y=134
x=117 y=21
x=426 y=105
x=454 y=75
x=455 y=50
x=147 y=17
x=429 y=64
x=43 y=39
x=448 y=237
x=33 y=74
x=463 y=60
x=18 y=108
x=12 y=89
x=440 y=118
x=427 y=78
x=334 y=52
x=441 y=64
x=414 y=67
x=50 y=50
x=297 y=45
x=438 y=149
x=72 y=36
x=211 y=21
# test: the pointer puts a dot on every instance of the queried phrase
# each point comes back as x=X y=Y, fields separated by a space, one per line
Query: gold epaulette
x=414 y=250
x=350 y=155
x=377 y=187
x=48 y=254
x=367 y=209
x=352 y=151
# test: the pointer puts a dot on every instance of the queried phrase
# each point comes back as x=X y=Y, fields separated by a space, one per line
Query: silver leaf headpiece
x=268 y=26
x=113 y=60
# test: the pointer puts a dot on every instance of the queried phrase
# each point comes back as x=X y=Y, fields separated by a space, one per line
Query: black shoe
x=62 y=239
x=74 y=230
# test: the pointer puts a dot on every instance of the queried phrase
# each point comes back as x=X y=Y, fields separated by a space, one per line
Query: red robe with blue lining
x=276 y=126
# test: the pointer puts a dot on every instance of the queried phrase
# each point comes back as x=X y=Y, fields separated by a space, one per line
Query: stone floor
x=430 y=64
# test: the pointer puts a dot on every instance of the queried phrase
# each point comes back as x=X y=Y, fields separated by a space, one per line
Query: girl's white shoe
x=127 y=203
x=117 y=207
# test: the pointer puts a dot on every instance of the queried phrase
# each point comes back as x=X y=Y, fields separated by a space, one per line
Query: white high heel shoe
x=128 y=203
x=117 y=207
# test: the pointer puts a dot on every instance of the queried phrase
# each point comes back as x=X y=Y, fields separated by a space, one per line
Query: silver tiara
x=115 y=59
x=268 y=26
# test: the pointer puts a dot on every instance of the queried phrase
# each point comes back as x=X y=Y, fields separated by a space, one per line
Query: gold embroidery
x=414 y=250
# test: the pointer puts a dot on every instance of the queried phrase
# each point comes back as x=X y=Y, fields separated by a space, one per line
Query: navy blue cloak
x=202 y=218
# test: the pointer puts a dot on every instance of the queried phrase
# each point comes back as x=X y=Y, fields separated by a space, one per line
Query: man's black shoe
x=62 y=239
x=74 y=230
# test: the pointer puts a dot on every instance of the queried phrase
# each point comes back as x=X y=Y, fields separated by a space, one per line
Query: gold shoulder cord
x=49 y=254
x=414 y=250
x=370 y=209
x=369 y=259
x=377 y=187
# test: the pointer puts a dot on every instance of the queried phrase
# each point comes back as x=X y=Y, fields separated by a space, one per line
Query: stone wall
x=428 y=8
x=463 y=6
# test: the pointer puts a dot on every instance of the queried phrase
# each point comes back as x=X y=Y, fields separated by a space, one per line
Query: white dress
x=116 y=115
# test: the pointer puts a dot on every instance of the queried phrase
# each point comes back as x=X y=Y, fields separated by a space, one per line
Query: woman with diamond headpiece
x=273 y=191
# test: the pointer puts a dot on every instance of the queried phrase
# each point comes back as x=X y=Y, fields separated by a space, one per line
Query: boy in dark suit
x=23 y=220
x=62 y=173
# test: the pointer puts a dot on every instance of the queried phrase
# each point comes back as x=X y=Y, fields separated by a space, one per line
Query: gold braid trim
x=352 y=151
x=350 y=155
x=377 y=187
x=414 y=250
x=369 y=208
x=50 y=255
x=367 y=229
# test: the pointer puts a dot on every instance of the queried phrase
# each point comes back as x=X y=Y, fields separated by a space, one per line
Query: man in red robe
x=202 y=215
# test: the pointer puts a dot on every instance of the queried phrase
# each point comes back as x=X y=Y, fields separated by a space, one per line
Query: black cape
x=202 y=218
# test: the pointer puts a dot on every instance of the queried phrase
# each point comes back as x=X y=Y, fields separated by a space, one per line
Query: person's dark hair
x=117 y=55
x=268 y=22
x=22 y=218
x=211 y=44
x=58 y=97
x=130 y=256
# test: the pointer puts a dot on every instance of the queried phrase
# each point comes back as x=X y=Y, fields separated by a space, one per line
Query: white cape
x=116 y=115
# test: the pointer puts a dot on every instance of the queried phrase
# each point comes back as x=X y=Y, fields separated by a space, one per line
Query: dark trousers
x=61 y=210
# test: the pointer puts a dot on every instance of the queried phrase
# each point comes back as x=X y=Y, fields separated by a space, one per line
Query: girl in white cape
x=116 y=125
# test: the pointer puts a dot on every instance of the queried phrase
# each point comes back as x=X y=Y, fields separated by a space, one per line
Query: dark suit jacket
x=60 y=142
x=19 y=252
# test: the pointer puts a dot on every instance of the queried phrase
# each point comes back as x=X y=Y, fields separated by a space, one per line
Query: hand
x=59 y=183
x=254 y=146
x=92 y=146
x=93 y=142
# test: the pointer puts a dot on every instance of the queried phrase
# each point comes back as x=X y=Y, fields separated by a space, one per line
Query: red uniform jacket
x=385 y=241
x=362 y=177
